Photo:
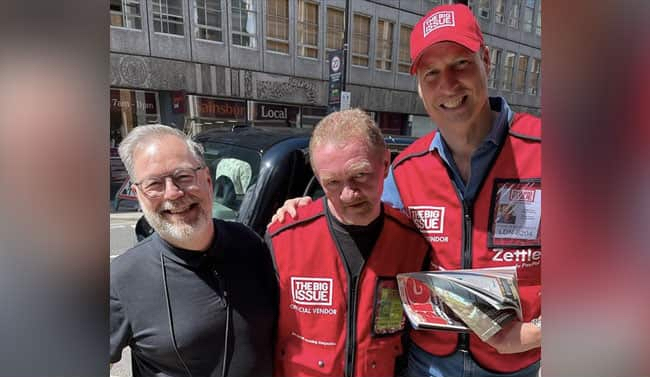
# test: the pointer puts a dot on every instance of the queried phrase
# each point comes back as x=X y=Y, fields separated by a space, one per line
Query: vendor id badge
x=388 y=315
x=515 y=214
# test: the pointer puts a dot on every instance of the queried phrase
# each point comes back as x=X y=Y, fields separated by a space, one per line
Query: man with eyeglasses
x=198 y=297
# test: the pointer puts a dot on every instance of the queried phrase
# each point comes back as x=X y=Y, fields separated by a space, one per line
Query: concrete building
x=201 y=63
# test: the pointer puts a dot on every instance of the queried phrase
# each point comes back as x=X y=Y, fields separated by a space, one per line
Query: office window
x=495 y=59
x=384 y=53
x=520 y=78
x=500 y=11
x=126 y=13
x=167 y=16
x=484 y=9
x=506 y=74
x=360 y=40
x=307 y=29
x=533 y=77
x=277 y=25
x=335 y=29
x=529 y=9
x=404 y=65
x=513 y=19
x=433 y=3
x=207 y=20
x=244 y=26
x=538 y=28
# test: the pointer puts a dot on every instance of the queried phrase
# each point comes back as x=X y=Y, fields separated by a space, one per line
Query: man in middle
x=336 y=261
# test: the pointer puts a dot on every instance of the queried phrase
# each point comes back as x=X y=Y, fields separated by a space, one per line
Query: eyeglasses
x=154 y=187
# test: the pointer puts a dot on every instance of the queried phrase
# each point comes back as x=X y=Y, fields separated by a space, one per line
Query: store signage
x=265 y=111
x=125 y=100
x=214 y=108
x=336 y=79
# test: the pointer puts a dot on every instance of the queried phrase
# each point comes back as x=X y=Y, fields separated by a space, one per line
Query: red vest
x=314 y=321
x=465 y=237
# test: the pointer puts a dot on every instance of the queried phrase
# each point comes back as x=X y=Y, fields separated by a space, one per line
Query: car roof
x=258 y=138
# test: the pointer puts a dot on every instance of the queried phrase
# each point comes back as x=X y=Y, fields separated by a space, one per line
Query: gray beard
x=179 y=232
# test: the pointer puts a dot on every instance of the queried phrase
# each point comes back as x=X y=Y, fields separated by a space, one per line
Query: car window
x=234 y=171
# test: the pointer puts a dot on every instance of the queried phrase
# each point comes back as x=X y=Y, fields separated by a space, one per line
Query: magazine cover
x=477 y=300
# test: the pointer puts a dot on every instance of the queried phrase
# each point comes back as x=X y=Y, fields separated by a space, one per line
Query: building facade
x=196 y=64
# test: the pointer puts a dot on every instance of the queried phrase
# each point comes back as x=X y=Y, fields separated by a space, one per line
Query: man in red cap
x=452 y=182
x=482 y=157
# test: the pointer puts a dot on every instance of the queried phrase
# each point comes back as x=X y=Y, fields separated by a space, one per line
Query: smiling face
x=352 y=176
x=452 y=82
x=182 y=217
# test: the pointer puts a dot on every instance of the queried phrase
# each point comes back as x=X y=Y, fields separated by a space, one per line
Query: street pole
x=346 y=42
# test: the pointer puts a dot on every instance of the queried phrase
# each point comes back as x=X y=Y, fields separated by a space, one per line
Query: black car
x=255 y=169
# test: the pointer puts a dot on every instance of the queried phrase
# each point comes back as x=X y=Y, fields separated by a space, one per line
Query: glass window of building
x=513 y=19
x=538 y=28
x=520 y=78
x=495 y=58
x=529 y=9
x=533 y=77
x=433 y=3
x=244 y=23
x=168 y=16
x=207 y=20
x=277 y=25
x=404 y=65
x=506 y=73
x=484 y=9
x=360 y=40
x=131 y=108
x=307 y=29
x=500 y=11
x=126 y=13
x=384 y=54
x=335 y=29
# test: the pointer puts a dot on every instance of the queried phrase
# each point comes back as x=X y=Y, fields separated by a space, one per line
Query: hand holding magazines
x=480 y=300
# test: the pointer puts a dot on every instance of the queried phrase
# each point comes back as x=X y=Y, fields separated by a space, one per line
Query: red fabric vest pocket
x=299 y=358
x=379 y=361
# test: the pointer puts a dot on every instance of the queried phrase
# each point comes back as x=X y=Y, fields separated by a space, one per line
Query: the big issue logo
x=430 y=220
x=309 y=295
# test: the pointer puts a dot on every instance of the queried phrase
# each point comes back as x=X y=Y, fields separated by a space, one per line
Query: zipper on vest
x=352 y=327
x=467 y=236
x=466 y=260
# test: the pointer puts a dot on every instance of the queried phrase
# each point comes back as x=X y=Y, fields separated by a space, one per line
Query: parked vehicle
x=255 y=169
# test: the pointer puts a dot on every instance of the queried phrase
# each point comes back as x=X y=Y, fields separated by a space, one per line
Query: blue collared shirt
x=480 y=162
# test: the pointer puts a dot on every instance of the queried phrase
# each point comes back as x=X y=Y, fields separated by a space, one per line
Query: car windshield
x=234 y=171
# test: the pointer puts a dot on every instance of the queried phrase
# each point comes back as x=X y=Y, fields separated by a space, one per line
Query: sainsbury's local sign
x=265 y=111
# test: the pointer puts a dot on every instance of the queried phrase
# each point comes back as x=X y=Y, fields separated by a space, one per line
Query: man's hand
x=289 y=207
x=516 y=337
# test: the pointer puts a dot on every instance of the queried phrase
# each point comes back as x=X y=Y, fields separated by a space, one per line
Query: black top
x=355 y=241
x=192 y=294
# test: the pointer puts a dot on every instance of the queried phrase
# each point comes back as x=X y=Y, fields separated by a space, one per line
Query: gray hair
x=143 y=134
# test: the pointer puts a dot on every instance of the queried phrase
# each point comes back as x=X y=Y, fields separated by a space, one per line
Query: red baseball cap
x=453 y=23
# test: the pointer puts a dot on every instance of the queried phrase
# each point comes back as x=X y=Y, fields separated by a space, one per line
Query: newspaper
x=477 y=300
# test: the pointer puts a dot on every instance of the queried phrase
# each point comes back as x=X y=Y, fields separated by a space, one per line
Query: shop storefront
x=128 y=109
x=209 y=112
x=271 y=114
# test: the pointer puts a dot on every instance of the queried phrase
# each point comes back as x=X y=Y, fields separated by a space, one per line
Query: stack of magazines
x=478 y=300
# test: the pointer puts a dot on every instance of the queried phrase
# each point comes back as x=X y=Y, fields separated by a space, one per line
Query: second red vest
x=484 y=234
